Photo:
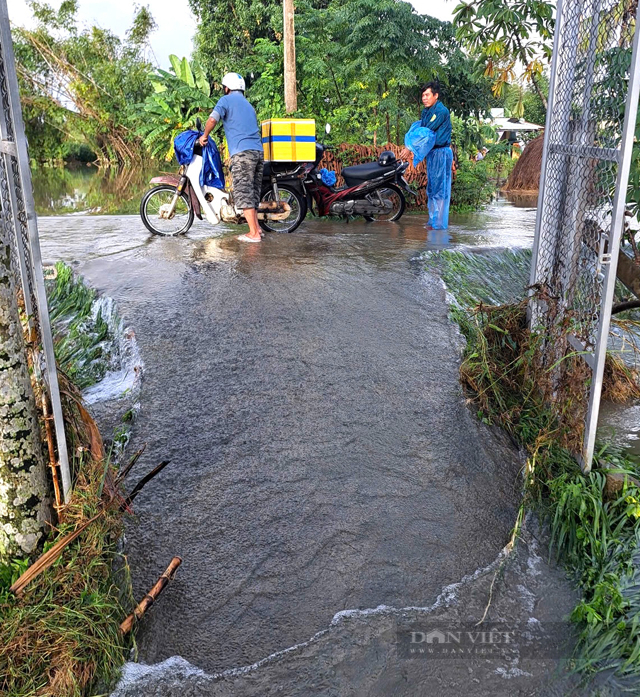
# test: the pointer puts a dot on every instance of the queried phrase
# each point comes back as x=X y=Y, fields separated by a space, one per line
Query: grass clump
x=595 y=528
x=594 y=519
x=62 y=636
x=82 y=337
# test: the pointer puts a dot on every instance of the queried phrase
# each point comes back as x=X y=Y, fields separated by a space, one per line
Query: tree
x=360 y=64
x=24 y=504
x=503 y=33
x=83 y=83
x=228 y=29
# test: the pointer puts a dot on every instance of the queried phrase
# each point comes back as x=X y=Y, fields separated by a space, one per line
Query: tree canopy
x=81 y=83
x=503 y=33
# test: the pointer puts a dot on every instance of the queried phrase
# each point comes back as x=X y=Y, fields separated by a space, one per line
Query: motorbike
x=374 y=190
x=171 y=206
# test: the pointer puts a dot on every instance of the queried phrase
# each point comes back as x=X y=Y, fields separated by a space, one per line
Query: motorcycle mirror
x=198 y=124
x=327 y=128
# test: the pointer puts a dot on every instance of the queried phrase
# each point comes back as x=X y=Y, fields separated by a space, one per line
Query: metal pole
x=611 y=264
x=545 y=152
x=22 y=157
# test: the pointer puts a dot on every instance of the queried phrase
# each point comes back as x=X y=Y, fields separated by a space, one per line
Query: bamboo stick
x=52 y=451
x=45 y=561
x=151 y=596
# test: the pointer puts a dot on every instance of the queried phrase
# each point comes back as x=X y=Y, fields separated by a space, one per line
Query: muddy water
x=323 y=461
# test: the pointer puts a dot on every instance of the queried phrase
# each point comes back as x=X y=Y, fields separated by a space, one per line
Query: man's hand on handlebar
x=202 y=140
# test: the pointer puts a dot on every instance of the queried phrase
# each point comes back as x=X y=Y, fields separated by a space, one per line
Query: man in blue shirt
x=435 y=116
x=245 y=148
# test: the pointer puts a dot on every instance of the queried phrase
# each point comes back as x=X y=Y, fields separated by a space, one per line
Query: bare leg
x=252 y=218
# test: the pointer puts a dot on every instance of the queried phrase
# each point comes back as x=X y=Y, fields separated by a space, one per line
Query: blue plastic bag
x=419 y=140
x=211 y=173
x=328 y=178
x=439 y=175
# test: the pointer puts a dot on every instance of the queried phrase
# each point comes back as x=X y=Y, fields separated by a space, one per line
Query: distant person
x=435 y=116
x=245 y=148
x=481 y=154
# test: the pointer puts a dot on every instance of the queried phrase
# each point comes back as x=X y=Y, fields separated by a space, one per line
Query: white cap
x=234 y=81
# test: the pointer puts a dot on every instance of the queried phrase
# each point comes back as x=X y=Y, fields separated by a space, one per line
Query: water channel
x=328 y=483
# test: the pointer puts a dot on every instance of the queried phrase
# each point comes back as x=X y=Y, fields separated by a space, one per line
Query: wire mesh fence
x=18 y=217
x=589 y=133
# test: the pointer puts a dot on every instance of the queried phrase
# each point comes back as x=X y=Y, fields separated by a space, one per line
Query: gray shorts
x=246 y=173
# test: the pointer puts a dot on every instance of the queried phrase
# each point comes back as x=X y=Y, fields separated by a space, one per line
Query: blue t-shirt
x=240 y=122
x=438 y=120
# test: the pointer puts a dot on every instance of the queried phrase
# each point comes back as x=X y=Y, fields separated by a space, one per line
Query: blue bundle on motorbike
x=211 y=173
x=328 y=178
x=420 y=141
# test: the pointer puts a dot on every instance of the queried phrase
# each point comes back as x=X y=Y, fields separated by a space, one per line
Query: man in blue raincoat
x=435 y=116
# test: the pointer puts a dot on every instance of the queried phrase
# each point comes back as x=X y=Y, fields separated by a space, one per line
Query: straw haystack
x=525 y=176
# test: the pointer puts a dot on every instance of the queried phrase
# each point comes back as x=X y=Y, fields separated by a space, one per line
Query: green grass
x=62 y=636
x=82 y=342
x=594 y=533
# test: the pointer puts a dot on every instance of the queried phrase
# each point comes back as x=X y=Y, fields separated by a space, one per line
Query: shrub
x=471 y=189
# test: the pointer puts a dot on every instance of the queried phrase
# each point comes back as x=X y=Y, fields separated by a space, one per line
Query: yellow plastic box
x=289 y=140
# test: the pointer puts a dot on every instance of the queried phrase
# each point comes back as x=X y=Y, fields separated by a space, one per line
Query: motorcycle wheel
x=298 y=209
x=395 y=195
x=160 y=196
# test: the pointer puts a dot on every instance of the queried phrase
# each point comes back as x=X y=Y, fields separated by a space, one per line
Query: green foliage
x=523 y=101
x=78 y=86
x=471 y=188
x=177 y=98
x=470 y=134
x=63 y=635
x=82 y=339
x=503 y=33
x=228 y=29
x=359 y=63
x=595 y=533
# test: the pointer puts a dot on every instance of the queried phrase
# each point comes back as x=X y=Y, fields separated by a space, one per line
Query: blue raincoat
x=419 y=140
x=431 y=138
x=211 y=173
x=439 y=164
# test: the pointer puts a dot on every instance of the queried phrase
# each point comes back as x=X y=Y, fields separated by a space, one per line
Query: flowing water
x=328 y=487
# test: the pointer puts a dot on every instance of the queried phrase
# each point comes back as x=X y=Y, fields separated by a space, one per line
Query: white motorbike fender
x=211 y=209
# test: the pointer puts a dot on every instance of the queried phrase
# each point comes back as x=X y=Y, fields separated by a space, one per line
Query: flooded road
x=323 y=459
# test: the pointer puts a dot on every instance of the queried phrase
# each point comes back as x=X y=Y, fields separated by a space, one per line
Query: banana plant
x=178 y=97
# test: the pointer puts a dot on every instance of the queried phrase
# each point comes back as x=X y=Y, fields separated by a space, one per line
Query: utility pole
x=290 y=91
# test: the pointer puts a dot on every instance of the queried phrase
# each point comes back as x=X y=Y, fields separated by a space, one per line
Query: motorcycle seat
x=360 y=173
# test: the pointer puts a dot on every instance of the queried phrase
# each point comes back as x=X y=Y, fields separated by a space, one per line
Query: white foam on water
x=123 y=377
x=177 y=668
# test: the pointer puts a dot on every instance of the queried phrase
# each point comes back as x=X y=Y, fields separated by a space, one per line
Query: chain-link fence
x=591 y=118
x=18 y=217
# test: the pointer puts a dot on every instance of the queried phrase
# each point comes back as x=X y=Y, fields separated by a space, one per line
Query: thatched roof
x=525 y=176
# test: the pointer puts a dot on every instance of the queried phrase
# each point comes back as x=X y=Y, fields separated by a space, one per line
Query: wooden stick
x=127 y=468
x=45 y=561
x=148 y=477
x=52 y=451
x=151 y=596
